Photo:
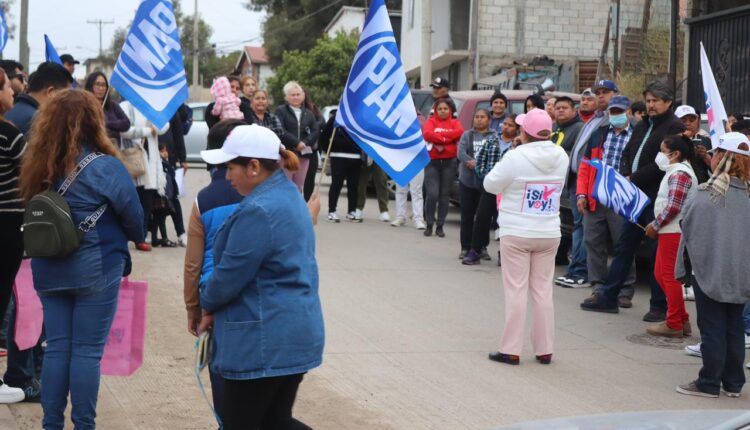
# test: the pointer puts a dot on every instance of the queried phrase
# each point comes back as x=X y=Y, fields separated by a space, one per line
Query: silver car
x=196 y=139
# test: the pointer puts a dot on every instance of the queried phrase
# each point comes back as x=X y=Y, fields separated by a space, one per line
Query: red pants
x=666 y=256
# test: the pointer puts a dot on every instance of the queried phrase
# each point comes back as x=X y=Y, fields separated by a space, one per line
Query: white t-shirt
x=297 y=112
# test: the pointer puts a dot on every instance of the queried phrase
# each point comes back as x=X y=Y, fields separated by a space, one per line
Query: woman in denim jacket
x=263 y=291
x=79 y=292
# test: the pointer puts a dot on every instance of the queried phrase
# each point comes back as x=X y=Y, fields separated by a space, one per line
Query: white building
x=507 y=30
x=351 y=18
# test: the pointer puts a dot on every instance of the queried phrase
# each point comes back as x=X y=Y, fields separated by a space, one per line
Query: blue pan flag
x=150 y=73
x=376 y=108
x=3 y=31
x=50 y=53
x=617 y=193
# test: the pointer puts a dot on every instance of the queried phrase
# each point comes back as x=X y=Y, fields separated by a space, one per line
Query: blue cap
x=606 y=84
x=621 y=102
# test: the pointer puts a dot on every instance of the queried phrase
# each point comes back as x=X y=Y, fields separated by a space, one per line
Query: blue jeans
x=628 y=242
x=577 y=267
x=722 y=344
x=77 y=324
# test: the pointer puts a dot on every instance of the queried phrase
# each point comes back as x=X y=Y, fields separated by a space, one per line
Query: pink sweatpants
x=299 y=176
x=528 y=267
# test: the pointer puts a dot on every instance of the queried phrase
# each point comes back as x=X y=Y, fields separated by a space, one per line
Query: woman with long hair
x=262 y=295
x=261 y=115
x=114 y=118
x=713 y=255
x=79 y=291
x=12 y=145
x=248 y=87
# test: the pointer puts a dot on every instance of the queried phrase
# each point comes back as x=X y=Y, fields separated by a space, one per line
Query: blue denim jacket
x=105 y=180
x=263 y=290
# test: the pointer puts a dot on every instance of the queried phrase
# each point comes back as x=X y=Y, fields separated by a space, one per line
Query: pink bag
x=29 y=315
x=123 y=353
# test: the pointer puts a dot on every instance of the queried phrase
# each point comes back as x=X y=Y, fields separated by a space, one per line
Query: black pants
x=147 y=201
x=344 y=169
x=158 y=224
x=309 y=185
x=438 y=179
x=722 y=343
x=486 y=216
x=264 y=403
x=179 y=223
x=11 y=251
x=469 y=202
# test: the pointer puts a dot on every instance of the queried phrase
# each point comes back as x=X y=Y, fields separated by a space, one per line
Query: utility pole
x=673 y=44
x=426 y=76
x=195 y=49
x=100 y=23
x=23 y=50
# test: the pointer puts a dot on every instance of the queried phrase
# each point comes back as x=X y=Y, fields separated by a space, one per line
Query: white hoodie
x=531 y=179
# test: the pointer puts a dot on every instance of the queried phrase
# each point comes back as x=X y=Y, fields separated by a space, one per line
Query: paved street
x=408 y=331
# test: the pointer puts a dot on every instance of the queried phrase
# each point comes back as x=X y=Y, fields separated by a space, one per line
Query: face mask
x=618 y=121
x=662 y=161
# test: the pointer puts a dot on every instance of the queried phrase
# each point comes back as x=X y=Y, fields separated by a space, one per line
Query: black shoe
x=544 y=359
x=596 y=306
x=484 y=255
x=505 y=358
x=624 y=302
x=439 y=231
x=166 y=243
x=428 y=231
x=655 y=316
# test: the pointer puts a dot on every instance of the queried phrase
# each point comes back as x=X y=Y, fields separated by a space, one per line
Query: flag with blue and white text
x=50 y=53
x=616 y=192
x=150 y=72
x=717 y=115
x=3 y=31
x=376 y=108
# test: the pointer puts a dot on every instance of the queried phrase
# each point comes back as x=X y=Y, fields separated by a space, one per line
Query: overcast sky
x=65 y=24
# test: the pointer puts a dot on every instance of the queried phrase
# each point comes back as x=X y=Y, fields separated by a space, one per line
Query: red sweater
x=443 y=132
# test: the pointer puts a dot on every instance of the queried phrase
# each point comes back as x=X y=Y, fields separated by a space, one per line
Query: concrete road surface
x=408 y=330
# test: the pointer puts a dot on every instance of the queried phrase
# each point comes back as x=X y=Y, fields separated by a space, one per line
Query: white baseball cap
x=731 y=142
x=685 y=110
x=251 y=141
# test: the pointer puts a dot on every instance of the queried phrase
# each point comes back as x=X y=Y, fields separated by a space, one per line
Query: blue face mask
x=618 y=121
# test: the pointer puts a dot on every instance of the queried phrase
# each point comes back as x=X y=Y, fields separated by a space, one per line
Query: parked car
x=196 y=139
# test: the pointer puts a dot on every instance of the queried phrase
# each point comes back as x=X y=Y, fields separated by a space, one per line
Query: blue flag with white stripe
x=50 y=53
x=617 y=193
x=3 y=31
x=150 y=72
x=376 y=108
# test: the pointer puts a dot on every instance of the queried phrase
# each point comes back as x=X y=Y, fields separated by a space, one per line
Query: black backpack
x=48 y=228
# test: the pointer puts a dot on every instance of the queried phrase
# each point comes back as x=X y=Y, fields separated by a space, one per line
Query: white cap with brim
x=250 y=141
x=731 y=142
x=685 y=110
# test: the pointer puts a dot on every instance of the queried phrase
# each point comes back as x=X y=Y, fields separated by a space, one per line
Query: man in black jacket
x=639 y=166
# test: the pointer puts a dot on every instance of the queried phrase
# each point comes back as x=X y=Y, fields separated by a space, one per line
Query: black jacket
x=212 y=119
x=175 y=141
x=342 y=143
x=306 y=130
x=648 y=175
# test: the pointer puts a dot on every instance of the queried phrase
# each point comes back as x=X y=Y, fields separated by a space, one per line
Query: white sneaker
x=148 y=238
x=358 y=214
x=747 y=341
x=497 y=234
x=398 y=222
x=333 y=217
x=688 y=293
x=694 y=350
x=384 y=217
x=10 y=394
x=748 y=365
x=353 y=217
x=182 y=240
x=420 y=224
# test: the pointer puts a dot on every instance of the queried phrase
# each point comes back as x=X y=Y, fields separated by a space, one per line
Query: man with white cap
x=530 y=179
x=701 y=141
x=714 y=240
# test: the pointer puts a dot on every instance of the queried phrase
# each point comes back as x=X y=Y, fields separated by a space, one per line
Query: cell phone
x=699 y=142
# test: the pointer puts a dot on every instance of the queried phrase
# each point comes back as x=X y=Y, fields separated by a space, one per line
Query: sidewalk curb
x=7 y=422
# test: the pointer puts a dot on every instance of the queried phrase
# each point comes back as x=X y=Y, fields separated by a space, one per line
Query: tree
x=297 y=24
x=322 y=71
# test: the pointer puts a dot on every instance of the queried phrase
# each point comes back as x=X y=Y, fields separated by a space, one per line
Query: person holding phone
x=701 y=142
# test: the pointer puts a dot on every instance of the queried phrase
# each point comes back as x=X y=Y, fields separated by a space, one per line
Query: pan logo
x=150 y=67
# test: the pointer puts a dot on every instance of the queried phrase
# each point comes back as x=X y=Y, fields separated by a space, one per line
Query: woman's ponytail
x=290 y=161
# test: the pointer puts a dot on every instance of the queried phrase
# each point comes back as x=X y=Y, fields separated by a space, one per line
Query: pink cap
x=536 y=123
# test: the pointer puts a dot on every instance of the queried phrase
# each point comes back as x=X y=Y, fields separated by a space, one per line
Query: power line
x=100 y=23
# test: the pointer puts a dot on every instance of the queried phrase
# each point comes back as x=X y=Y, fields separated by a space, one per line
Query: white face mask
x=662 y=161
